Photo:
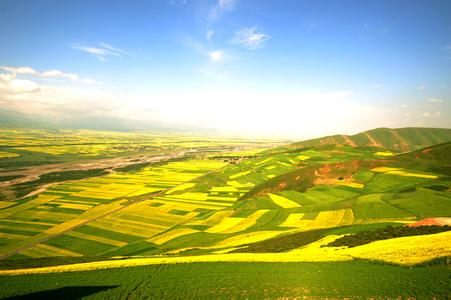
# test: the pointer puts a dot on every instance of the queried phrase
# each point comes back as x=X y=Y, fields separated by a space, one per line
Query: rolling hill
x=435 y=152
x=399 y=139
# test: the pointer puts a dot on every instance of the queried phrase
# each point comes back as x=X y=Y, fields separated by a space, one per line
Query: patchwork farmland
x=224 y=206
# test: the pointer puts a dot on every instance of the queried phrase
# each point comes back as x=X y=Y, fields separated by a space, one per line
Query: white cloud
x=420 y=87
x=18 y=70
x=88 y=81
x=209 y=34
x=59 y=74
x=216 y=56
x=221 y=7
x=178 y=2
x=435 y=100
x=103 y=51
x=250 y=38
x=377 y=86
x=114 y=50
x=14 y=72
x=55 y=102
x=431 y=114
x=211 y=56
x=15 y=86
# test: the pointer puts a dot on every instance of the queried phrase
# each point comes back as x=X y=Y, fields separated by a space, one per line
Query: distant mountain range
x=16 y=119
x=400 y=139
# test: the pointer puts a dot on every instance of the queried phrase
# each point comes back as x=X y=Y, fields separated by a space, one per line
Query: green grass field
x=356 y=280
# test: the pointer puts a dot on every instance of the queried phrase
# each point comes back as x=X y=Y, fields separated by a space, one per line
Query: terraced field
x=286 y=204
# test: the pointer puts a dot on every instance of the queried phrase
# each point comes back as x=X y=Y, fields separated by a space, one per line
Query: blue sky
x=289 y=68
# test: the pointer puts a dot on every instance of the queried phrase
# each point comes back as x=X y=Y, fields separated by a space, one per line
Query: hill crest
x=397 y=139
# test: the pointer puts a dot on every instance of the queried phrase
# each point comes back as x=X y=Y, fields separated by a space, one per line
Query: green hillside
x=400 y=139
x=434 y=153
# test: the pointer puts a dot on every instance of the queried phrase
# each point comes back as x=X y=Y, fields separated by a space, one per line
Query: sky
x=257 y=68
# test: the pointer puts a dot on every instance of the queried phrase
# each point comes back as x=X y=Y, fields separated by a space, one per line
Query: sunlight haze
x=291 y=69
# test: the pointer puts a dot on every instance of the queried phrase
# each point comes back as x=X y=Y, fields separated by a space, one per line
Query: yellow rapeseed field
x=295 y=220
x=283 y=202
x=65 y=226
x=170 y=235
x=95 y=238
x=43 y=250
x=75 y=206
x=326 y=219
x=181 y=187
x=384 y=169
x=239 y=174
x=5 y=204
x=247 y=222
x=4 y=154
x=224 y=188
x=404 y=250
x=384 y=153
x=351 y=184
x=225 y=224
x=247 y=238
x=191 y=196
x=239 y=185
x=408 y=174
x=213 y=219
x=264 y=161
x=303 y=157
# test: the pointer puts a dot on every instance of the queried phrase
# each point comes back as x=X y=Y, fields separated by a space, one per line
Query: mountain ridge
x=397 y=139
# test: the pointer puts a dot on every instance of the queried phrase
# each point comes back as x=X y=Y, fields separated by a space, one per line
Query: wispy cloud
x=431 y=114
x=420 y=88
x=102 y=52
x=374 y=27
x=377 y=86
x=221 y=7
x=59 y=74
x=177 y=2
x=13 y=73
x=250 y=38
x=18 y=70
x=435 y=100
x=212 y=55
x=209 y=34
x=29 y=91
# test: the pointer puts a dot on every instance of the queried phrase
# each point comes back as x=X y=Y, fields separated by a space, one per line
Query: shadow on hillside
x=68 y=292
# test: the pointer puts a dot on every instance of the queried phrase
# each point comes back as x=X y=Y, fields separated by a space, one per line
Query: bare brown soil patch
x=431 y=221
x=373 y=142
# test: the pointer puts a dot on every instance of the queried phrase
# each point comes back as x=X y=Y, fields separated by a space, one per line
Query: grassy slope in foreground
x=407 y=251
x=251 y=280
x=400 y=139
